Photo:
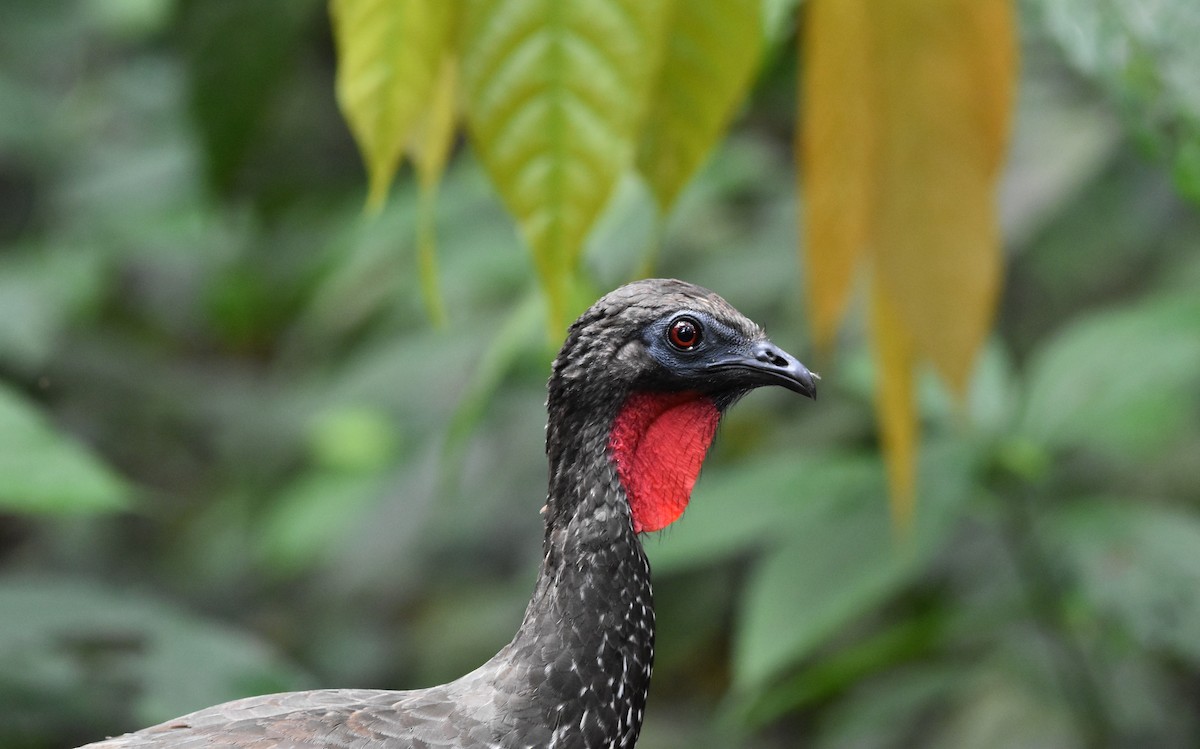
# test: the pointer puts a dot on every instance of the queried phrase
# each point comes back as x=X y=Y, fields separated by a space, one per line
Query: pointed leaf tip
x=389 y=54
x=895 y=404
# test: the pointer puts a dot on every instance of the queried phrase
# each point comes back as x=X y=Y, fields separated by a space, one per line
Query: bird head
x=663 y=335
x=656 y=363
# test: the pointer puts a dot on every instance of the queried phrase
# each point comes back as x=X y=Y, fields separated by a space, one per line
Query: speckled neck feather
x=586 y=646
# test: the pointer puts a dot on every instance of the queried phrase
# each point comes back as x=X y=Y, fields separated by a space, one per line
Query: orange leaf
x=945 y=71
x=834 y=151
x=894 y=403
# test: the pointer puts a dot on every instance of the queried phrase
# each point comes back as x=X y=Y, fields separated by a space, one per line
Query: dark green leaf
x=59 y=635
x=841 y=557
x=1138 y=566
x=1145 y=55
x=754 y=506
x=1122 y=382
x=239 y=53
x=42 y=471
x=312 y=517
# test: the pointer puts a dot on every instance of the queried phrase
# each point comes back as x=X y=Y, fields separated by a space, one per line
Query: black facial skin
x=724 y=363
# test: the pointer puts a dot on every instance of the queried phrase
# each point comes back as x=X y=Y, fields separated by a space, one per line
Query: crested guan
x=635 y=397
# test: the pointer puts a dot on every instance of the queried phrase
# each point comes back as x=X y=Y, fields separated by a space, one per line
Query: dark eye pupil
x=684 y=334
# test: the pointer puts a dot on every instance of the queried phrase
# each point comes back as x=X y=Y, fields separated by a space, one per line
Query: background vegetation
x=236 y=456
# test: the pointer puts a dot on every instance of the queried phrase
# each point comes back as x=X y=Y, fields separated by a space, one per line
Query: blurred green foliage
x=235 y=457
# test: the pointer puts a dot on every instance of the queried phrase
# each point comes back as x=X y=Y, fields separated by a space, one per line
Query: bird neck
x=584 y=652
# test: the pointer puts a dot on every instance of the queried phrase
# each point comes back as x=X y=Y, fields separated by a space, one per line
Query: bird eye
x=684 y=334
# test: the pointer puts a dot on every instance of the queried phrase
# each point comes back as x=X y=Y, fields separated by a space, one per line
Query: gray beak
x=767 y=364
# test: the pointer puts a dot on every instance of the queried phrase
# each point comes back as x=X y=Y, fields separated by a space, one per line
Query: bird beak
x=764 y=363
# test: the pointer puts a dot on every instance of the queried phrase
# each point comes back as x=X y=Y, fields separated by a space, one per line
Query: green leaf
x=830 y=572
x=96 y=646
x=42 y=471
x=1000 y=710
x=993 y=399
x=779 y=19
x=130 y=19
x=754 y=506
x=879 y=652
x=1138 y=566
x=712 y=51
x=465 y=625
x=40 y=292
x=1123 y=382
x=353 y=440
x=238 y=54
x=390 y=54
x=882 y=709
x=312 y=517
x=842 y=558
x=555 y=94
x=1145 y=55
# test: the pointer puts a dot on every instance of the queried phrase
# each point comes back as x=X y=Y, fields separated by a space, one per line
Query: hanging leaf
x=46 y=472
x=945 y=75
x=895 y=404
x=711 y=53
x=390 y=53
x=835 y=149
x=555 y=94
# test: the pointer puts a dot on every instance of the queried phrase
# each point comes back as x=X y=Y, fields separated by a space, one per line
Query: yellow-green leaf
x=432 y=141
x=555 y=93
x=389 y=56
x=433 y=135
x=712 y=50
x=43 y=471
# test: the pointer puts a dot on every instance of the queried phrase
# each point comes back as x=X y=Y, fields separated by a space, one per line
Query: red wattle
x=658 y=442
